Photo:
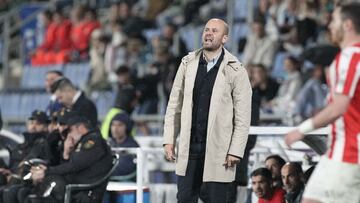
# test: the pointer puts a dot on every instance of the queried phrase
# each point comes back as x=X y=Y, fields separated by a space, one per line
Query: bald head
x=292 y=177
x=225 y=26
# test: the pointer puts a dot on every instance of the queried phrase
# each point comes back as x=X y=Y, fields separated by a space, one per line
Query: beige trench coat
x=228 y=121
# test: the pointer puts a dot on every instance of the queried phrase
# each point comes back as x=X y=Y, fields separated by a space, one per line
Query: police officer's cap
x=78 y=120
x=39 y=116
x=64 y=115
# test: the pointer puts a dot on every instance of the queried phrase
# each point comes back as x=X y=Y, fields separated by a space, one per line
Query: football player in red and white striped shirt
x=337 y=176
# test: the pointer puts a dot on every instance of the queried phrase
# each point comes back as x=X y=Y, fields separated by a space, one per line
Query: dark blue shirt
x=126 y=164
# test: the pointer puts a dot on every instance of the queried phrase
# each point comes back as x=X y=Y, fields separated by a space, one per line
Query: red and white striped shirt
x=343 y=78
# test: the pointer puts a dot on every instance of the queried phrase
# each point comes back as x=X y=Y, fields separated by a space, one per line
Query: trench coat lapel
x=191 y=74
x=218 y=90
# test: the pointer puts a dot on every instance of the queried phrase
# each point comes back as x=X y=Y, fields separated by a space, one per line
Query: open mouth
x=259 y=193
x=208 y=40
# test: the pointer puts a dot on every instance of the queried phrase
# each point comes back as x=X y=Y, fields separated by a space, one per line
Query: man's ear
x=348 y=25
x=224 y=39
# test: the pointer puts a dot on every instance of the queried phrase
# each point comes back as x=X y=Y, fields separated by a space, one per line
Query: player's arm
x=328 y=115
x=331 y=112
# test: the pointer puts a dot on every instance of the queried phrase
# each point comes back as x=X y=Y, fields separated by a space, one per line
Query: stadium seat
x=78 y=73
x=34 y=76
x=81 y=187
x=103 y=100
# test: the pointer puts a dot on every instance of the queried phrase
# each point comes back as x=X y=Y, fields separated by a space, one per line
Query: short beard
x=338 y=37
x=208 y=49
x=211 y=48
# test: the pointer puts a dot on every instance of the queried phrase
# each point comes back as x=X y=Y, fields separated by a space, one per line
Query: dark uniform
x=33 y=141
x=51 y=152
x=31 y=148
x=90 y=161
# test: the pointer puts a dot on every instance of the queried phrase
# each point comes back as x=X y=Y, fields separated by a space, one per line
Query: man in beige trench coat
x=209 y=110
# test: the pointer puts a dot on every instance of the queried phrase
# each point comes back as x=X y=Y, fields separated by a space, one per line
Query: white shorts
x=334 y=182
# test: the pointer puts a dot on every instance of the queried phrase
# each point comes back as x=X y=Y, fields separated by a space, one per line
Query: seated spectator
x=259 y=48
x=135 y=57
x=88 y=162
x=290 y=87
x=34 y=137
x=133 y=23
x=165 y=62
x=262 y=186
x=274 y=163
x=45 y=29
x=98 y=76
x=263 y=11
x=56 y=43
x=287 y=21
x=75 y=100
x=120 y=131
x=147 y=87
x=125 y=100
x=84 y=23
x=77 y=16
x=307 y=22
x=277 y=10
x=266 y=86
x=91 y=23
x=293 y=180
x=312 y=96
x=177 y=46
x=42 y=24
x=115 y=50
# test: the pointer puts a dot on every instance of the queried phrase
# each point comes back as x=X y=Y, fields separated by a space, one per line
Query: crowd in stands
x=290 y=28
x=147 y=42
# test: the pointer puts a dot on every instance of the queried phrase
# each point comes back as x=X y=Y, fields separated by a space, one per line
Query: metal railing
x=142 y=172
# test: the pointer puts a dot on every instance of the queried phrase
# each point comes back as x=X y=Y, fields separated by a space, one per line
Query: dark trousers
x=191 y=187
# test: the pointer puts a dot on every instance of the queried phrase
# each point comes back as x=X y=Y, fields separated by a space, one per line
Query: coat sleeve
x=173 y=110
x=241 y=94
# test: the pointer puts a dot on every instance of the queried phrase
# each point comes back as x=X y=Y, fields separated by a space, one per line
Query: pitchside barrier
x=139 y=191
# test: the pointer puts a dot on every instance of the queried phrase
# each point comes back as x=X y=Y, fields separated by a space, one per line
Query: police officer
x=35 y=139
x=51 y=151
x=89 y=160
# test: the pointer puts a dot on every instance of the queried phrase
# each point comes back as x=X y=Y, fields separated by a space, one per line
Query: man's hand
x=231 y=161
x=68 y=147
x=292 y=137
x=5 y=171
x=38 y=173
x=169 y=152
